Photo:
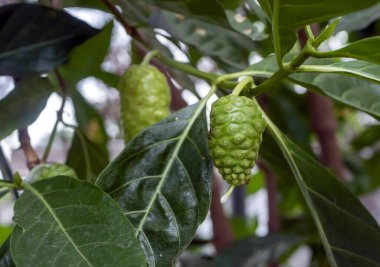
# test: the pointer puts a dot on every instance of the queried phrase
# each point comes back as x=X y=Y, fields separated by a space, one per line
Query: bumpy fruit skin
x=144 y=99
x=235 y=137
x=45 y=171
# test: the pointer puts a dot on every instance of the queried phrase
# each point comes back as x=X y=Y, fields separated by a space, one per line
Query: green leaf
x=36 y=39
x=224 y=44
x=162 y=180
x=351 y=91
x=358 y=68
x=5 y=255
x=85 y=60
x=349 y=234
x=85 y=3
x=358 y=93
x=365 y=49
x=22 y=106
x=5 y=231
x=290 y=15
x=63 y=221
x=209 y=11
x=255 y=251
x=267 y=6
x=87 y=158
x=359 y=20
x=326 y=32
x=368 y=137
x=89 y=120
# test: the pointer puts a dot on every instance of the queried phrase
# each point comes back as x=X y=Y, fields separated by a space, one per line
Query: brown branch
x=30 y=154
x=324 y=125
x=222 y=232
x=119 y=17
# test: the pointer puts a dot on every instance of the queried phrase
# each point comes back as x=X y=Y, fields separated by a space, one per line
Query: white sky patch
x=93 y=17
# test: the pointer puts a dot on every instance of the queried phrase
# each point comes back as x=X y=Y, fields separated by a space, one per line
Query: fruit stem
x=149 y=56
x=241 y=85
x=225 y=197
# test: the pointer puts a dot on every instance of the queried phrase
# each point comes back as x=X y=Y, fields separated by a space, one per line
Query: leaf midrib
x=169 y=165
x=59 y=223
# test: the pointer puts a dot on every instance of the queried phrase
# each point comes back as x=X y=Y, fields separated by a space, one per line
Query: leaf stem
x=245 y=82
x=284 y=72
x=187 y=68
x=7 y=184
x=276 y=33
x=149 y=56
x=225 y=197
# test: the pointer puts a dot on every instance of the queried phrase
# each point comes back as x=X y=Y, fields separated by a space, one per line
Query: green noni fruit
x=44 y=171
x=144 y=99
x=235 y=137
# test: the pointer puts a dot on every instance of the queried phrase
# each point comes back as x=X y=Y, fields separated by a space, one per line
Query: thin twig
x=63 y=88
x=31 y=156
x=119 y=17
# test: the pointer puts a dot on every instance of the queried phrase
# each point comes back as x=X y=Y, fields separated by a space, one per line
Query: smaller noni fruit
x=235 y=136
x=144 y=99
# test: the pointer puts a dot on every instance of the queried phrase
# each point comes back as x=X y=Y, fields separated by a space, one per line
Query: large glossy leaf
x=23 y=105
x=290 y=15
x=365 y=49
x=36 y=39
x=162 y=181
x=349 y=234
x=63 y=221
x=255 y=251
x=87 y=158
x=226 y=45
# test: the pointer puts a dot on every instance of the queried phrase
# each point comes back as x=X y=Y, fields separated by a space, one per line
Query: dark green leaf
x=350 y=239
x=210 y=11
x=5 y=255
x=36 y=39
x=290 y=15
x=85 y=3
x=162 y=180
x=87 y=158
x=63 y=221
x=90 y=121
x=226 y=45
x=85 y=60
x=5 y=231
x=368 y=137
x=255 y=251
x=22 y=106
x=267 y=6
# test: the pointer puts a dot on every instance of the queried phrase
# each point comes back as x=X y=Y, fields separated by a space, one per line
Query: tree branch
x=30 y=154
x=222 y=232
